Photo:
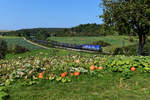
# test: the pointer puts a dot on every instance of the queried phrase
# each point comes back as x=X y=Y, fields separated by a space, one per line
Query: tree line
x=80 y=30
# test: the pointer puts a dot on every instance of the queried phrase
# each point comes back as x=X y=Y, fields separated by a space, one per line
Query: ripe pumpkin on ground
x=92 y=67
x=63 y=75
x=133 y=68
x=100 y=68
x=76 y=73
x=41 y=75
x=77 y=61
x=66 y=73
x=71 y=74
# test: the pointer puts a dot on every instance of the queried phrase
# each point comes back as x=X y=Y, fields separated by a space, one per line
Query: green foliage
x=42 y=35
x=123 y=63
x=3 y=93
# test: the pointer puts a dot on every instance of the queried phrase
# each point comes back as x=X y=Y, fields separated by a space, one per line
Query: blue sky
x=18 y=14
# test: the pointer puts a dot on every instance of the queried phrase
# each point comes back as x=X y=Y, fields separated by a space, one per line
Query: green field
x=20 y=41
x=115 y=41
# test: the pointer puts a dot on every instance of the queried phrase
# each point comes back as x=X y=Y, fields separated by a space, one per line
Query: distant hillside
x=83 y=30
x=80 y=30
x=44 y=29
x=35 y=31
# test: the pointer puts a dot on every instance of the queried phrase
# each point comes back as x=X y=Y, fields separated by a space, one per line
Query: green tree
x=42 y=35
x=128 y=17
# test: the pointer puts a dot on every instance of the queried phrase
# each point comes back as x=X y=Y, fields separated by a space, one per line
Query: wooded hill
x=80 y=30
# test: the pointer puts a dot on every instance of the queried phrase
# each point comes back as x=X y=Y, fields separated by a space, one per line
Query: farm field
x=115 y=41
x=20 y=41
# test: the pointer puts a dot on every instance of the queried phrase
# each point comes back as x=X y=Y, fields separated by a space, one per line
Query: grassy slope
x=20 y=41
x=109 y=87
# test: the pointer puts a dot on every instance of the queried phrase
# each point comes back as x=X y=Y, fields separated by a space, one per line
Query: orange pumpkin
x=100 y=68
x=71 y=74
x=76 y=73
x=41 y=75
x=63 y=75
x=77 y=61
x=133 y=68
x=66 y=73
x=92 y=67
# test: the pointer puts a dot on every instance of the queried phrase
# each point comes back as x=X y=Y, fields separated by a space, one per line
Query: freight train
x=73 y=46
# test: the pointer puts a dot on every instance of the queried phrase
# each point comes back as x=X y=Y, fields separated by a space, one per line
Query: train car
x=92 y=47
x=78 y=46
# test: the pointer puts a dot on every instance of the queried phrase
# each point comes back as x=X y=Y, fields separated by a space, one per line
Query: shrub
x=20 y=49
x=11 y=48
x=131 y=39
x=17 y=49
x=129 y=50
x=3 y=49
x=132 y=50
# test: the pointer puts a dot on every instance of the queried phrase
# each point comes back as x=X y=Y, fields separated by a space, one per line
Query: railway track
x=62 y=47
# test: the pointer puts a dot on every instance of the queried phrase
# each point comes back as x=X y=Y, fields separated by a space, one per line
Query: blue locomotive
x=92 y=47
